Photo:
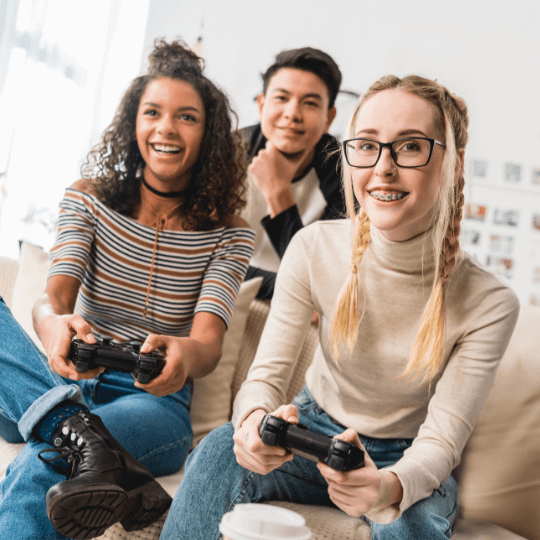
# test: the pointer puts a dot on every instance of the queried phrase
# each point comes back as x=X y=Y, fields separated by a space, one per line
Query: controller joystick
x=124 y=357
x=337 y=454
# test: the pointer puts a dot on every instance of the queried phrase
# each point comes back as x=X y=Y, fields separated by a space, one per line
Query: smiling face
x=170 y=130
x=294 y=111
x=385 y=117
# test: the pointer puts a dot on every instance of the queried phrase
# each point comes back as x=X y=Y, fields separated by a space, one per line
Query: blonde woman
x=412 y=331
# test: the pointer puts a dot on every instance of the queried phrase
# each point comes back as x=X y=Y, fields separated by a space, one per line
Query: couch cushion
x=257 y=318
x=8 y=273
x=29 y=286
x=211 y=403
x=499 y=477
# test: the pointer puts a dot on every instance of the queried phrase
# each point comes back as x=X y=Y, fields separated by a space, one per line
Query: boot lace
x=69 y=448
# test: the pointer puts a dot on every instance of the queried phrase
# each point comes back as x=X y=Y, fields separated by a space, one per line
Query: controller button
x=136 y=345
x=57 y=442
x=106 y=341
x=341 y=446
x=271 y=439
x=274 y=421
x=336 y=463
x=146 y=365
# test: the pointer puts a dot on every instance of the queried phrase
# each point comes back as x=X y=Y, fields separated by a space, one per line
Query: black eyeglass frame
x=382 y=145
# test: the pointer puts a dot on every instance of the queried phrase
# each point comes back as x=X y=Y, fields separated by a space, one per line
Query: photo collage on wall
x=501 y=223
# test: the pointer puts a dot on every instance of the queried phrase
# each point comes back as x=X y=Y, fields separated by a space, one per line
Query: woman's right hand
x=56 y=324
x=251 y=453
x=56 y=332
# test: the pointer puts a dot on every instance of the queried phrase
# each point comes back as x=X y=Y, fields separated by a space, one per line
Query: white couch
x=499 y=476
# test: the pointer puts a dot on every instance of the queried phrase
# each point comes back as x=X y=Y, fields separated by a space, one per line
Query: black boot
x=105 y=484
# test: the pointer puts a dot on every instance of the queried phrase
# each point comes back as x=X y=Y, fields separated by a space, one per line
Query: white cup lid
x=263 y=522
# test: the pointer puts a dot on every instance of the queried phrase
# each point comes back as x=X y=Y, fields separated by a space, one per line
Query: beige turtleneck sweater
x=362 y=390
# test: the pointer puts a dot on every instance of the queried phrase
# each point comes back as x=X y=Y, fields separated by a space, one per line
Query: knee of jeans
x=214 y=450
x=9 y=431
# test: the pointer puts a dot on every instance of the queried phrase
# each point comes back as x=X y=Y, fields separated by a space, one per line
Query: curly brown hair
x=216 y=191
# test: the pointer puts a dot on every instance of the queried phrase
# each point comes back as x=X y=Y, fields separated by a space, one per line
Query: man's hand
x=251 y=453
x=360 y=490
x=273 y=173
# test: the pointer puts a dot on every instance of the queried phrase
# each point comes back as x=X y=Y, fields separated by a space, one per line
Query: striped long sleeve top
x=111 y=255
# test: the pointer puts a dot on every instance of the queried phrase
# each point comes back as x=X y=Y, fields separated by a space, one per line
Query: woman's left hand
x=360 y=490
x=178 y=354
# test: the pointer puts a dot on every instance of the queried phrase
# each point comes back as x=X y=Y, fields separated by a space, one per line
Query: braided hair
x=451 y=119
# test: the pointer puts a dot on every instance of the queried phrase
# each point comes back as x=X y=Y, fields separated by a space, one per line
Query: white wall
x=487 y=51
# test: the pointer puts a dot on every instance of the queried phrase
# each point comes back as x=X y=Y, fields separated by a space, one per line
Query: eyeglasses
x=408 y=153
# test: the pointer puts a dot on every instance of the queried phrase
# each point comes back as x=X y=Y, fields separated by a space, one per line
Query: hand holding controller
x=124 y=357
x=337 y=454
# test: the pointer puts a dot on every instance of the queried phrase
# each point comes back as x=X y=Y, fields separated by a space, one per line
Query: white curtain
x=64 y=65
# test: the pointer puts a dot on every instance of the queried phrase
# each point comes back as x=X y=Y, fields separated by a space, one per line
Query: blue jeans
x=214 y=483
x=156 y=431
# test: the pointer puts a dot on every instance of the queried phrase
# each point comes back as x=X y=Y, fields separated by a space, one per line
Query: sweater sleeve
x=225 y=273
x=282 y=337
x=75 y=234
x=458 y=399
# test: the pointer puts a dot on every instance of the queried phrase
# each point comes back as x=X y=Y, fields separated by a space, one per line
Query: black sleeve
x=284 y=226
x=281 y=228
x=266 y=290
x=328 y=168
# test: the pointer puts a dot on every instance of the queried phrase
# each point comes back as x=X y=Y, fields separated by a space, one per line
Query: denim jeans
x=156 y=431
x=214 y=483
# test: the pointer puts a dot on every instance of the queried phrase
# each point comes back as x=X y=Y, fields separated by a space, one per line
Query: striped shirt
x=111 y=255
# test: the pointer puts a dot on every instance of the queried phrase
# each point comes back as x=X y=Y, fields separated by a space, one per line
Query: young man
x=293 y=178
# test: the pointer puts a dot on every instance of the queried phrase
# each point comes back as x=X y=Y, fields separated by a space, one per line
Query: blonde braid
x=450 y=247
x=346 y=317
x=428 y=345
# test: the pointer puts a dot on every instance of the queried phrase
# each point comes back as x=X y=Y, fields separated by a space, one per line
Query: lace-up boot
x=104 y=484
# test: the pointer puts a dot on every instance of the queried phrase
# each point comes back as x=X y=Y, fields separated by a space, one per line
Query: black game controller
x=124 y=357
x=339 y=455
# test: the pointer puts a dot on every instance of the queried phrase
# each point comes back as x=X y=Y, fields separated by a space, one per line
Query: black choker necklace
x=167 y=194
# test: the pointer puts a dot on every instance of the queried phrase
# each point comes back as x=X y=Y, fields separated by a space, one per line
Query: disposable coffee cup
x=263 y=522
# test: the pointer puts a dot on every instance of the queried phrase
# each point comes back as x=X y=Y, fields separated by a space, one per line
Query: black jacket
x=285 y=225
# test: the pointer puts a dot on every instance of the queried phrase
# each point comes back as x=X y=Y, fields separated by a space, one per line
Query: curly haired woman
x=149 y=249
x=412 y=330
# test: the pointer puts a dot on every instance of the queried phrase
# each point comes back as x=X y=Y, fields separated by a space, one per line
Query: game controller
x=124 y=357
x=339 y=455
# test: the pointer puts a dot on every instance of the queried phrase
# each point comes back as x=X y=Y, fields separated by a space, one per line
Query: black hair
x=311 y=60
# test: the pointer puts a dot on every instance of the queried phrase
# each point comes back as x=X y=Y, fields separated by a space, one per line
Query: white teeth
x=167 y=149
x=384 y=196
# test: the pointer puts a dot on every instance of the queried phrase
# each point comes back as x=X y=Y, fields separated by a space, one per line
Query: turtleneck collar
x=410 y=256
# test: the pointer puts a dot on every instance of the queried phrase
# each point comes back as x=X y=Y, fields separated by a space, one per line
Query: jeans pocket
x=305 y=402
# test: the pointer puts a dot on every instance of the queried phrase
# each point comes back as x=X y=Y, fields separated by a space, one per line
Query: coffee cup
x=263 y=522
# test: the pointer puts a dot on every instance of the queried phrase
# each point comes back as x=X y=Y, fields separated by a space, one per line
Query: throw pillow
x=212 y=395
